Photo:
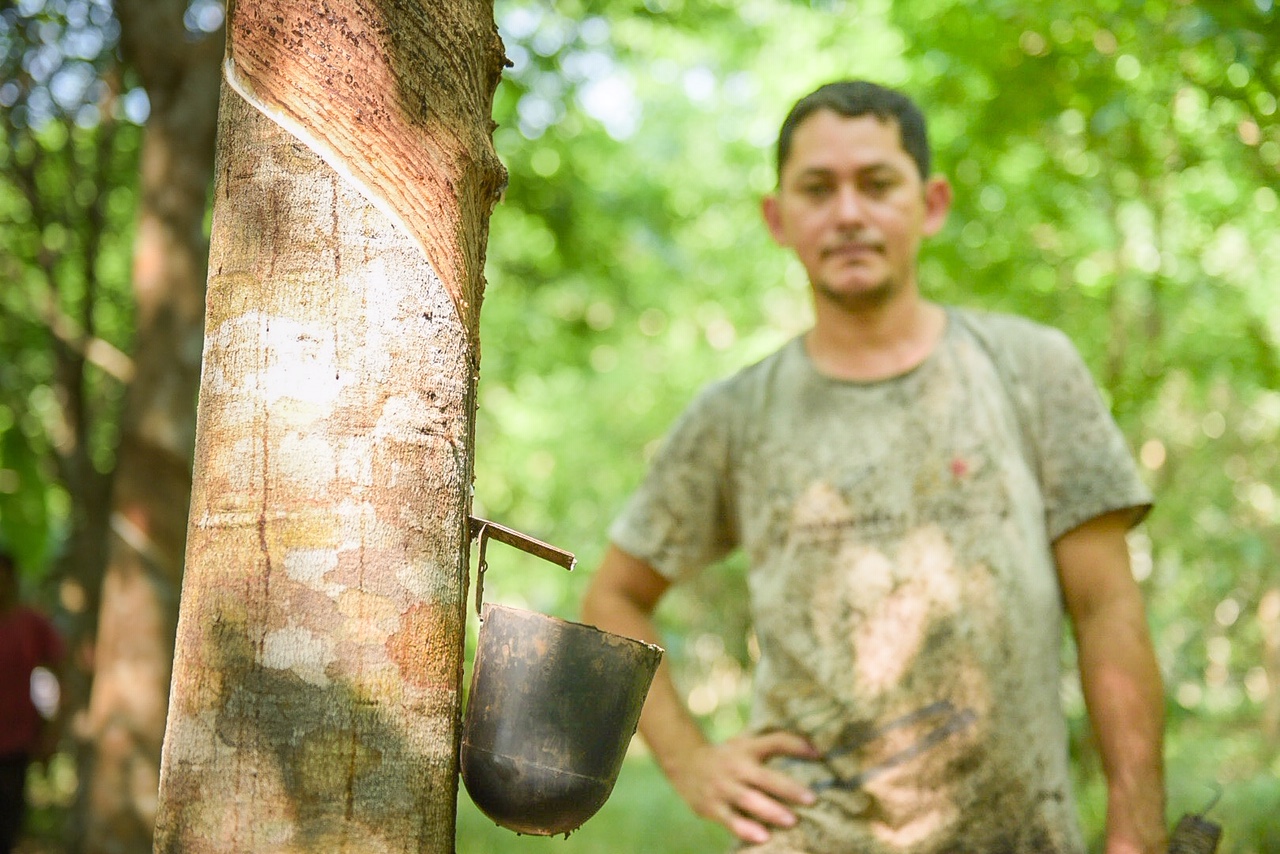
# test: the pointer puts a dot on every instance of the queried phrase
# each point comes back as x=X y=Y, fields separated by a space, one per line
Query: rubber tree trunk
x=317 y=684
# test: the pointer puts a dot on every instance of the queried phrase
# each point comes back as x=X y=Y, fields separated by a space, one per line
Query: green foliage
x=68 y=169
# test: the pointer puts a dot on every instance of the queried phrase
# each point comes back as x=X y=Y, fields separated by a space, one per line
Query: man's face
x=852 y=205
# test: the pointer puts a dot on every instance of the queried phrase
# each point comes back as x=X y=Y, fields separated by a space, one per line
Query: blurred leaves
x=68 y=171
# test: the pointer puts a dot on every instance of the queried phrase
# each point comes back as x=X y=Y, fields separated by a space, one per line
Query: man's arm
x=1120 y=678
x=727 y=783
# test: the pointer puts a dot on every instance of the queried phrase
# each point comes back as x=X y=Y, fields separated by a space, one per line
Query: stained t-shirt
x=903 y=589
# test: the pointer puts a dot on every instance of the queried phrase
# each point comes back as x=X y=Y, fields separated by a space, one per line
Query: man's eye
x=815 y=190
x=879 y=186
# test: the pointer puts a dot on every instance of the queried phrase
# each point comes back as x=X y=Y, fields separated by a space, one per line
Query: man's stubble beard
x=859 y=301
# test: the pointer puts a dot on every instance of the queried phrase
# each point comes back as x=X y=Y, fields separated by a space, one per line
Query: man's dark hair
x=853 y=98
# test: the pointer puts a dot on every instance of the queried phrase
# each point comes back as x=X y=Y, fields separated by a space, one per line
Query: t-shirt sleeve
x=1086 y=467
x=680 y=519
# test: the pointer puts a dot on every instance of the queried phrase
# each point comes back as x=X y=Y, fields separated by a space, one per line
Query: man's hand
x=1153 y=845
x=1135 y=824
x=729 y=783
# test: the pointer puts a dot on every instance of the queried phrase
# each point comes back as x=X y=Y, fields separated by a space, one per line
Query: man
x=921 y=491
x=27 y=641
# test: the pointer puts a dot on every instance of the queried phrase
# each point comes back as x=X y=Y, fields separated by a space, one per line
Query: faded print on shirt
x=902 y=585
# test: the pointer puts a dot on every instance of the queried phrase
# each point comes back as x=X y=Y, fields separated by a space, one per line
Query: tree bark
x=317 y=685
x=139 y=601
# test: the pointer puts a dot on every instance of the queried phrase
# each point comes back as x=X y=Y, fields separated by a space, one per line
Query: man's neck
x=875 y=343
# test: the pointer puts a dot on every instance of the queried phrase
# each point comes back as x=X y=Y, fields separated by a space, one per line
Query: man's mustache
x=855 y=244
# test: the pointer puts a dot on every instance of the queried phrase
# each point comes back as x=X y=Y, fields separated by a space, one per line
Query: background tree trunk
x=139 y=604
x=317 y=684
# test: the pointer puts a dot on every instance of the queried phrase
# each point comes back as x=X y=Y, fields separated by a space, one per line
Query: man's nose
x=849 y=205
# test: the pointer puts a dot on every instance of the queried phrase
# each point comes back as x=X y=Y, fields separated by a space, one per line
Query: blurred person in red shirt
x=27 y=641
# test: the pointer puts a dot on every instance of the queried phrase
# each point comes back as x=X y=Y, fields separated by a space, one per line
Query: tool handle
x=524 y=542
x=1195 y=835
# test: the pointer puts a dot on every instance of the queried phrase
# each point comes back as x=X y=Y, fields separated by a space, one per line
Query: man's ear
x=937 y=204
x=772 y=213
